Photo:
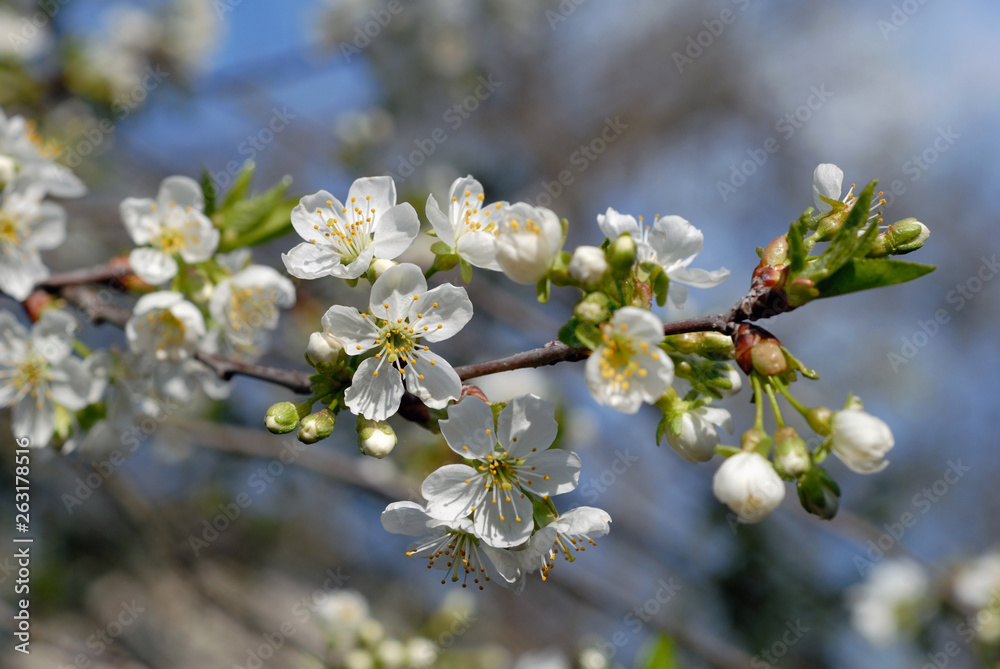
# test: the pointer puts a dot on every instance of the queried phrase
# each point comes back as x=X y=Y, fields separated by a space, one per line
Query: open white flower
x=861 y=440
x=629 y=368
x=894 y=598
x=341 y=241
x=698 y=435
x=27 y=225
x=172 y=225
x=246 y=304
x=467 y=227
x=402 y=313
x=828 y=183
x=528 y=241
x=40 y=378
x=673 y=243
x=165 y=326
x=450 y=545
x=508 y=462
x=567 y=535
x=747 y=484
x=34 y=159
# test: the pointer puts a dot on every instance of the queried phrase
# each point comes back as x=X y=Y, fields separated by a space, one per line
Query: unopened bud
x=819 y=420
x=621 y=254
x=776 y=252
x=756 y=439
x=818 y=493
x=316 y=426
x=378 y=266
x=281 y=418
x=375 y=437
x=593 y=308
x=900 y=238
x=689 y=342
x=323 y=349
x=588 y=266
x=728 y=383
x=791 y=456
x=768 y=358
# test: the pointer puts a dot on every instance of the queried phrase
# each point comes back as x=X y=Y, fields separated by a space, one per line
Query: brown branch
x=114 y=271
x=297 y=382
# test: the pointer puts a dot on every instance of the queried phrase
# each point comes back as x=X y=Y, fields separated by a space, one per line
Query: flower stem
x=769 y=389
x=758 y=400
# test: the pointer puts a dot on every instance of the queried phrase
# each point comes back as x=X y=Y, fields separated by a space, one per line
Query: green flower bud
x=818 y=493
x=900 y=238
x=756 y=439
x=316 y=426
x=375 y=437
x=689 y=342
x=791 y=456
x=621 y=255
x=819 y=420
x=593 y=308
x=281 y=418
x=768 y=358
x=776 y=252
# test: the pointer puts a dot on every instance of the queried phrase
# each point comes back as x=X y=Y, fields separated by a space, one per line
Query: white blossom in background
x=40 y=378
x=342 y=241
x=747 y=483
x=860 y=440
x=27 y=225
x=469 y=227
x=698 y=435
x=246 y=305
x=165 y=326
x=450 y=545
x=174 y=225
x=629 y=368
x=24 y=153
x=509 y=461
x=546 y=658
x=191 y=33
x=402 y=314
x=976 y=585
x=21 y=43
x=890 y=602
x=528 y=241
x=673 y=243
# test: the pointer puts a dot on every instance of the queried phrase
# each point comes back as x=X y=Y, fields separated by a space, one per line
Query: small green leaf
x=796 y=250
x=865 y=273
x=275 y=224
x=661 y=430
x=466 y=269
x=241 y=186
x=567 y=333
x=442 y=249
x=208 y=190
x=589 y=334
x=660 y=653
x=661 y=282
x=542 y=289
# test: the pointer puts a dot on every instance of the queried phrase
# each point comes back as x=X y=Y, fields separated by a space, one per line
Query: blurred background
x=652 y=108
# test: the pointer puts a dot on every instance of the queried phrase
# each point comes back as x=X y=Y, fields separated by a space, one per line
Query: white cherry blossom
x=402 y=315
x=174 y=225
x=341 y=241
x=629 y=368
x=566 y=536
x=246 y=304
x=747 y=483
x=27 y=225
x=165 y=326
x=528 y=241
x=32 y=158
x=508 y=463
x=698 y=435
x=469 y=227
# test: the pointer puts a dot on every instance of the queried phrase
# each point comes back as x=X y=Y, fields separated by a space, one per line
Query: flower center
x=473 y=219
x=164 y=328
x=170 y=240
x=352 y=233
x=10 y=232
x=46 y=148
x=461 y=550
x=617 y=351
x=251 y=308
x=30 y=377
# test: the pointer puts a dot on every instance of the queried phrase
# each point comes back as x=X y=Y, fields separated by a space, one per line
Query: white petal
x=139 y=219
x=201 y=241
x=639 y=324
x=433 y=380
x=49 y=227
x=20 y=275
x=698 y=278
x=717 y=416
x=374 y=397
x=182 y=191
x=378 y=193
x=310 y=216
x=407 y=518
x=35 y=420
x=469 y=429
x=527 y=422
x=504 y=524
x=152 y=265
x=584 y=520
x=452 y=491
x=392 y=294
x=614 y=225
x=828 y=180
x=697 y=440
x=675 y=239
x=440 y=312
x=53 y=335
x=507 y=567
x=677 y=295
x=70 y=384
x=560 y=466
x=312 y=261
x=395 y=230
x=439 y=221
x=479 y=249
x=355 y=332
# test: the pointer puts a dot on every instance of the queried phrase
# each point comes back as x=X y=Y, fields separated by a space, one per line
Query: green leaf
x=274 y=225
x=442 y=249
x=796 y=250
x=661 y=282
x=542 y=289
x=567 y=333
x=589 y=334
x=241 y=186
x=208 y=190
x=847 y=242
x=660 y=653
x=258 y=219
x=466 y=269
x=661 y=430
x=865 y=273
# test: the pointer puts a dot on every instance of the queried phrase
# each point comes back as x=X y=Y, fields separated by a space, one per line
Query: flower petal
x=374 y=393
x=527 y=424
x=439 y=221
x=182 y=191
x=53 y=335
x=35 y=419
x=440 y=312
x=479 y=249
x=452 y=491
x=828 y=181
x=614 y=225
x=433 y=380
x=312 y=261
x=698 y=278
x=310 y=216
x=392 y=294
x=639 y=324
x=506 y=522
x=152 y=265
x=675 y=239
x=356 y=332
x=395 y=230
x=139 y=219
x=469 y=429
x=407 y=518
x=373 y=193
x=551 y=472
